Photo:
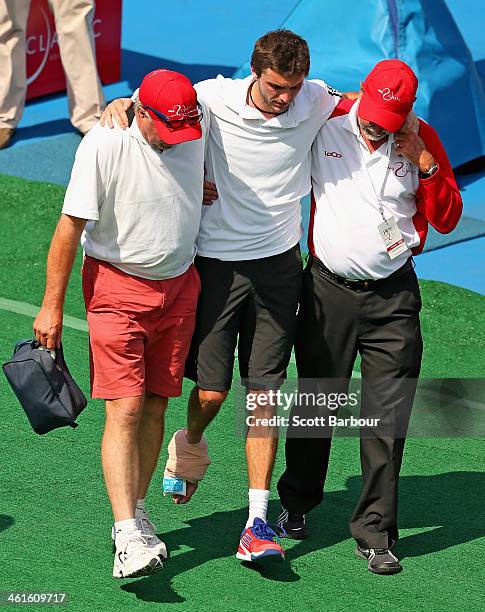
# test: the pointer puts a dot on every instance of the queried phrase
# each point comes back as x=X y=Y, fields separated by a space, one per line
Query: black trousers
x=382 y=324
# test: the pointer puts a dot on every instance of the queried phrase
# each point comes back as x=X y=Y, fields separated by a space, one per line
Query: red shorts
x=139 y=330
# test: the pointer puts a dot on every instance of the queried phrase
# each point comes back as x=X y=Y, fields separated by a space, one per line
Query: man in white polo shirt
x=376 y=186
x=262 y=129
x=135 y=196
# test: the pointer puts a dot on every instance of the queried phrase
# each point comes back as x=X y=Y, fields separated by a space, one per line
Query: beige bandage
x=187 y=461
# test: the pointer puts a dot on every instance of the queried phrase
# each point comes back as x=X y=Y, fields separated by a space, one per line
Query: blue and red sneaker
x=258 y=541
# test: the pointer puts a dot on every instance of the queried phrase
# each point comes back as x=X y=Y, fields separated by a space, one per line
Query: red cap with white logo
x=171 y=101
x=389 y=94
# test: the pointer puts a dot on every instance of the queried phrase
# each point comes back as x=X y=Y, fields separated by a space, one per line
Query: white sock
x=140 y=506
x=258 y=505
x=125 y=528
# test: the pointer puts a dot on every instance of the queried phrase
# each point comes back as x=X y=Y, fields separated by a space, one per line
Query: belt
x=359 y=285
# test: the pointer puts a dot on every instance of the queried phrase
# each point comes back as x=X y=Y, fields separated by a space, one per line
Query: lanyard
x=379 y=194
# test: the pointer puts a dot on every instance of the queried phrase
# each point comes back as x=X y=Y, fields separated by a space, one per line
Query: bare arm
x=62 y=253
x=116 y=110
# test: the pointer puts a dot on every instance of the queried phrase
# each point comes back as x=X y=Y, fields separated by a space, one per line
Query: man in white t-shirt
x=258 y=154
x=376 y=187
x=134 y=199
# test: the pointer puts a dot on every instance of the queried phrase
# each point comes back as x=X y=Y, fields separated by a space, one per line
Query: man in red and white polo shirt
x=376 y=187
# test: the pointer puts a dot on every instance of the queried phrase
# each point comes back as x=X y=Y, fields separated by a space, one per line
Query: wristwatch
x=431 y=171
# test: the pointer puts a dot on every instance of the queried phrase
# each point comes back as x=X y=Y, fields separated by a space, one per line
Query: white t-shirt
x=348 y=181
x=261 y=168
x=143 y=205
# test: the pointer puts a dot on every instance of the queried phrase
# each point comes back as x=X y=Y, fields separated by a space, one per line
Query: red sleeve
x=342 y=108
x=438 y=199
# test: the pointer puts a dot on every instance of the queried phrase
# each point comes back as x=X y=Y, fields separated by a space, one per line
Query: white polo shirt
x=261 y=168
x=348 y=182
x=143 y=205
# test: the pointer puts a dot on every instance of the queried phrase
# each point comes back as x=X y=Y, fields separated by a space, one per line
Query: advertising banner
x=44 y=68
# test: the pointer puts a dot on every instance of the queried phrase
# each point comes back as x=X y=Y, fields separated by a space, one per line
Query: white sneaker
x=148 y=530
x=133 y=557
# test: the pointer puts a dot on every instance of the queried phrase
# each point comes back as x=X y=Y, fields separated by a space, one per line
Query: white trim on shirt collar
x=135 y=131
x=234 y=93
x=350 y=121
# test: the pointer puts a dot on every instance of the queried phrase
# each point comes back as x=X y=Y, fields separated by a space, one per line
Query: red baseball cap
x=389 y=94
x=172 y=95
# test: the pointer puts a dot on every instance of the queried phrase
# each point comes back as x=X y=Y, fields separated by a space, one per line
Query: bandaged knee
x=186 y=463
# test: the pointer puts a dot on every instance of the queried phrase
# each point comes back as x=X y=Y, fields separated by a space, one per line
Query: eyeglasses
x=193 y=117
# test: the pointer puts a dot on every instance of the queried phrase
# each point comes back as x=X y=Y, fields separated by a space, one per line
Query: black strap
x=62 y=365
x=359 y=284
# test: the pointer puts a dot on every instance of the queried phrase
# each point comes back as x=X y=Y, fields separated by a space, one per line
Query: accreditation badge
x=392 y=237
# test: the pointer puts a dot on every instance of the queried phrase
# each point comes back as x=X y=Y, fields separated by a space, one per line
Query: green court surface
x=55 y=518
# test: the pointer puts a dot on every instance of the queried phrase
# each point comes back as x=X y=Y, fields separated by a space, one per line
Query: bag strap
x=60 y=357
x=67 y=375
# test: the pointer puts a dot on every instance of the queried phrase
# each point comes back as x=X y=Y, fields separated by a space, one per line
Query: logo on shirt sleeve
x=334 y=92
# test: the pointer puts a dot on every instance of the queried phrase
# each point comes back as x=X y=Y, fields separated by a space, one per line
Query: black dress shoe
x=293 y=525
x=381 y=560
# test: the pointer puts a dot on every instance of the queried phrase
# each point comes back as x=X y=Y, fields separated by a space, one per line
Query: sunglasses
x=191 y=118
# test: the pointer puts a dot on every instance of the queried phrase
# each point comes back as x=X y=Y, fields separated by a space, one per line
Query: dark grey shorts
x=250 y=305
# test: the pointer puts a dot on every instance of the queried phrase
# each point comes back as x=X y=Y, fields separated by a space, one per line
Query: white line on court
x=30 y=310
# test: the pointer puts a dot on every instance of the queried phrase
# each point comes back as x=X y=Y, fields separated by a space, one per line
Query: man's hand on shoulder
x=116 y=111
x=349 y=95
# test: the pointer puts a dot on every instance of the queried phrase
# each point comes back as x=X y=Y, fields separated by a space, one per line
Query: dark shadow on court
x=6 y=521
x=44 y=130
x=134 y=66
x=211 y=537
x=450 y=503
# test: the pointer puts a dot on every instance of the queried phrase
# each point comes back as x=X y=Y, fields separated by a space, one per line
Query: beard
x=373 y=132
x=269 y=102
x=162 y=146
